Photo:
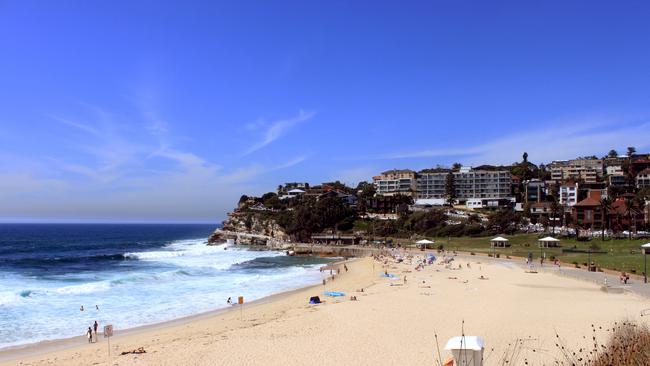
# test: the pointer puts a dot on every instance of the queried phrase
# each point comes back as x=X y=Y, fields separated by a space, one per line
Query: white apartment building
x=569 y=194
x=469 y=184
x=614 y=170
x=643 y=179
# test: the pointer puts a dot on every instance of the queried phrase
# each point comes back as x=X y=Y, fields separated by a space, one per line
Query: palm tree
x=605 y=207
x=555 y=206
x=630 y=209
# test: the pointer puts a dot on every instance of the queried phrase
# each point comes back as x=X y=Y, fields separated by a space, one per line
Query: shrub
x=626 y=345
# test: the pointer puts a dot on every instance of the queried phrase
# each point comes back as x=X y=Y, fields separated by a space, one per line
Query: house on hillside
x=587 y=213
x=293 y=193
x=621 y=219
x=348 y=199
x=643 y=179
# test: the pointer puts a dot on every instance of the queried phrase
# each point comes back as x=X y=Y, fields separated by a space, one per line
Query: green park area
x=615 y=254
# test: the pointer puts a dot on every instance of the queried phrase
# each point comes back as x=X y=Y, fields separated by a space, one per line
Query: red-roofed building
x=587 y=213
x=620 y=219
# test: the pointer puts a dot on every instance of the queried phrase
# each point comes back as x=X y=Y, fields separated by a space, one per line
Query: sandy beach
x=391 y=323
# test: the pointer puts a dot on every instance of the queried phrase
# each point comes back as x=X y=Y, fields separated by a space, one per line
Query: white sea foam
x=183 y=278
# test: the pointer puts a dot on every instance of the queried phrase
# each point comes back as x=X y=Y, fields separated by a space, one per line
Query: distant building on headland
x=587 y=170
x=469 y=184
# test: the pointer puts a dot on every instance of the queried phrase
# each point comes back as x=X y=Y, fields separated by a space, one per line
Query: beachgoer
x=405 y=280
x=346 y=267
x=95 y=326
x=89 y=334
x=229 y=301
x=97 y=307
x=81 y=308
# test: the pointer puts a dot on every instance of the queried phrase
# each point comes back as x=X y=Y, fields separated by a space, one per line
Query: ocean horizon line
x=105 y=222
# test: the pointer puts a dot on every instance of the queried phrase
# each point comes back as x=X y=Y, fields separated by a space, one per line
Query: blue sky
x=169 y=111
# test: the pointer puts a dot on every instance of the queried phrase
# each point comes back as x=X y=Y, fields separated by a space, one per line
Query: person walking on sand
x=95 y=326
x=89 y=334
x=81 y=308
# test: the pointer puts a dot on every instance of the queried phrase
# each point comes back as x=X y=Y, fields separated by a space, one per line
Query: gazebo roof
x=549 y=238
x=645 y=245
x=499 y=238
x=424 y=241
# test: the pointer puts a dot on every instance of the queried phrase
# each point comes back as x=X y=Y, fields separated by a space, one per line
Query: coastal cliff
x=251 y=228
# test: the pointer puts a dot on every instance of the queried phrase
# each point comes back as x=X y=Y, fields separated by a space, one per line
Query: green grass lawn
x=621 y=254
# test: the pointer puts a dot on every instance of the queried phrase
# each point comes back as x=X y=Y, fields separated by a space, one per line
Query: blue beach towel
x=334 y=294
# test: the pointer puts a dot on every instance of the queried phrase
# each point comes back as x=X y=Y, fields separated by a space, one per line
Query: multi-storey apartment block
x=396 y=181
x=469 y=184
x=588 y=170
x=568 y=194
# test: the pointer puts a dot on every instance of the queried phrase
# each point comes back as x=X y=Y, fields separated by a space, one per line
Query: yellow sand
x=388 y=325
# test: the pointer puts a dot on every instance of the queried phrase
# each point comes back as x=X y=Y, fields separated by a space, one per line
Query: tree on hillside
x=331 y=211
x=630 y=212
x=605 y=207
x=630 y=151
x=242 y=200
x=450 y=189
x=340 y=187
x=555 y=209
x=456 y=166
x=364 y=192
x=525 y=158
x=504 y=221
x=612 y=154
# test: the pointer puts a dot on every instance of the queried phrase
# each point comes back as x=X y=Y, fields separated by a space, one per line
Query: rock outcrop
x=250 y=228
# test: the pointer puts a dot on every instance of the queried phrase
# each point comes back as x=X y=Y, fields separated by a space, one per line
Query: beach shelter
x=423 y=243
x=549 y=241
x=467 y=350
x=499 y=242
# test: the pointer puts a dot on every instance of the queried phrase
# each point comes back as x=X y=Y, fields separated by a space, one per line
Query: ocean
x=135 y=274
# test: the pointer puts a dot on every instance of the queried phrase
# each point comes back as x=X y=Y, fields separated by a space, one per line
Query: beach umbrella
x=423 y=242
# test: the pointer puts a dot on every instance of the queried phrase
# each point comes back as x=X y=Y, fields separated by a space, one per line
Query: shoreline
x=366 y=330
x=16 y=352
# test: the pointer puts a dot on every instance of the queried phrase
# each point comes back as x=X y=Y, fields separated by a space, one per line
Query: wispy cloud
x=77 y=125
x=277 y=129
x=249 y=173
x=129 y=166
x=554 y=142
